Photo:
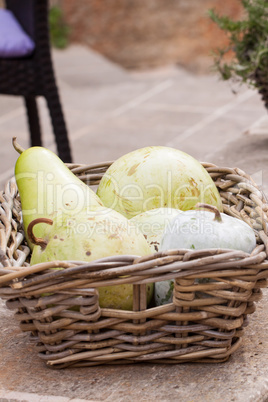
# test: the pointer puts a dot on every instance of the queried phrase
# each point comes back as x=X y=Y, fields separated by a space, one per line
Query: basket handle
x=38 y=241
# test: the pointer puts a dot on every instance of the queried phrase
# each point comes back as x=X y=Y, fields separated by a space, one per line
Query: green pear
x=88 y=236
x=47 y=187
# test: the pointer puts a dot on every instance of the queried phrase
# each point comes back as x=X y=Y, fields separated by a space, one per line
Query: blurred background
x=140 y=34
x=134 y=73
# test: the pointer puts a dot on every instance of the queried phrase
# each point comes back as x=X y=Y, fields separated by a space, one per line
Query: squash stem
x=17 y=146
x=38 y=241
x=210 y=208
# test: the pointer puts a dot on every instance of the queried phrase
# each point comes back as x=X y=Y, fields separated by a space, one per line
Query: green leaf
x=248 y=38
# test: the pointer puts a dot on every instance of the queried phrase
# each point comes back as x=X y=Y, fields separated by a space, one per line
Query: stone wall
x=148 y=33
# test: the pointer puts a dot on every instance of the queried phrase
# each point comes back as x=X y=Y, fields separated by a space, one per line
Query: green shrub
x=59 y=30
x=248 y=39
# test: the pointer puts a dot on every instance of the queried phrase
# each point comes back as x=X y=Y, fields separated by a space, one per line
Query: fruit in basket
x=208 y=228
x=90 y=236
x=152 y=224
x=47 y=187
x=203 y=229
x=155 y=177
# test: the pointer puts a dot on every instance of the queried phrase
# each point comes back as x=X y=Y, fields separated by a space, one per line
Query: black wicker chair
x=33 y=75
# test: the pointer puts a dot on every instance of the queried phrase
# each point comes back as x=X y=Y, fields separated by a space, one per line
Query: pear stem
x=17 y=146
x=38 y=241
x=210 y=208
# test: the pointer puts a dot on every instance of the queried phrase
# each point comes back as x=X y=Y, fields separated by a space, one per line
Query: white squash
x=163 y=292
x=201 y=229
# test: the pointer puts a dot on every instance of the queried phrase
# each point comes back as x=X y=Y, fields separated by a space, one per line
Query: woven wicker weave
x=204 y=323
x=33 y=76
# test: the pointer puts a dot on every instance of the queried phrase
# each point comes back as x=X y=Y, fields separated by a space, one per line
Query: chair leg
x=33 y=121
x=59 y=126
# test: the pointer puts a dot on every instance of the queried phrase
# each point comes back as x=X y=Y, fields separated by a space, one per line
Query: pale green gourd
x=90 y=236
x=48 y=188
x=156 y=177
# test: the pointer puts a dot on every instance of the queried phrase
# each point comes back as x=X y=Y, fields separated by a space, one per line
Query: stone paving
x=110 y=112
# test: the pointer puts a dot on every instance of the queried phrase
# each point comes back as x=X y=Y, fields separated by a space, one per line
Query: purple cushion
x=14 y=42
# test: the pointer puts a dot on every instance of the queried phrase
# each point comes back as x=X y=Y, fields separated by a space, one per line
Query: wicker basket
x=204 y=323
